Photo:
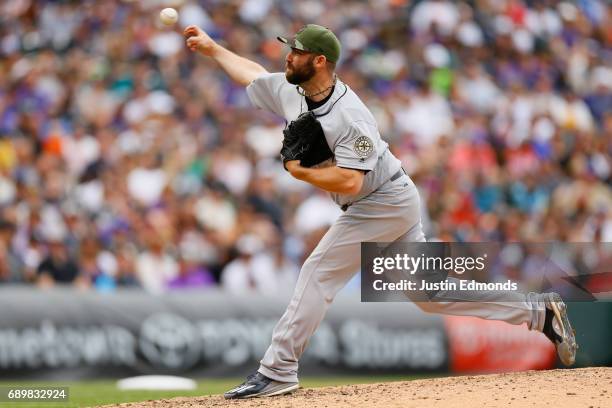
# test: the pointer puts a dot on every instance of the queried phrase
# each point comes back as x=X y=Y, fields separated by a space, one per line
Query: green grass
x=93 y=393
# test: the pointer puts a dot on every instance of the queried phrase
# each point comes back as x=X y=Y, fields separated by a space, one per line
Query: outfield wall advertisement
x=65 y=332
x=69 y=334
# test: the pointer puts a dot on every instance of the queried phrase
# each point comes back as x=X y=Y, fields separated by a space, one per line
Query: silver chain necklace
x=307 y=95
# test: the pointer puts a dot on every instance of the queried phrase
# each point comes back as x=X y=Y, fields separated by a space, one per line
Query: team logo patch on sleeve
x=363 y=146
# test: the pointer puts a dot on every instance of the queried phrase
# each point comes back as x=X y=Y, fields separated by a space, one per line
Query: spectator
x=191 y=274
x=155 y=267
x=239 y=276
x=125 y=275
x=10 y=265
x=58 y=267
x=257 y=270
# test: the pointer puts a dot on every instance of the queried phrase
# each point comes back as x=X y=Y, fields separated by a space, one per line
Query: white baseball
x=168 y=16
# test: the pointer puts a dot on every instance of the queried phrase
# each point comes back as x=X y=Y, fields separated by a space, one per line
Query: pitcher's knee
x=326 y=287
x=318 y=284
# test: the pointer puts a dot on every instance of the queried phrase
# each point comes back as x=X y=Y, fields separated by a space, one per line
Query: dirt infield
x=585 y=387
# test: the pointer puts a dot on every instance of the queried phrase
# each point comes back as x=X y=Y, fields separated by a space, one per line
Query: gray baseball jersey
x=385 y=210
x=349 y=127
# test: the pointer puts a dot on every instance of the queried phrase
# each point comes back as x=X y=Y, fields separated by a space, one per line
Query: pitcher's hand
x=198 y=40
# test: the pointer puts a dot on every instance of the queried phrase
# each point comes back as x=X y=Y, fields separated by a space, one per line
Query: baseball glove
x=305 y=141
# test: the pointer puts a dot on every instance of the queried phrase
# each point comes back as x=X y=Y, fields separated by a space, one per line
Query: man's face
x=299 y=66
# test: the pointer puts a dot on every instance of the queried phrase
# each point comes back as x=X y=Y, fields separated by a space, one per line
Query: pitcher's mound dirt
x=584 y=387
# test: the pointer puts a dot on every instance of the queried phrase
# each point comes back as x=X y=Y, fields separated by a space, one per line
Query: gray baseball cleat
x=558 y=329
x=258 y=385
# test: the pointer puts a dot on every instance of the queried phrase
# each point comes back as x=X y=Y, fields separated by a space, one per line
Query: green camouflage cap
x=317 y=39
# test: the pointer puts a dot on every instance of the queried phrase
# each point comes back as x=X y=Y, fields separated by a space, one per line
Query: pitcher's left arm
x=333 y=178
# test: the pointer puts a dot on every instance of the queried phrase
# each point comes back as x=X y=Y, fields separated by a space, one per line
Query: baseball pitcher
x=332 y=142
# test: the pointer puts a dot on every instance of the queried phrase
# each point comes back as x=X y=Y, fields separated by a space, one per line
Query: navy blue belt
x=394 y=177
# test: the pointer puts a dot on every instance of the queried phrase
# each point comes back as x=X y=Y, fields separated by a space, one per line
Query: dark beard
x=299 y=76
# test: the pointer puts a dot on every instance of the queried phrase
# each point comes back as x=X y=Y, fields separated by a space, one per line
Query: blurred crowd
x=127 y=160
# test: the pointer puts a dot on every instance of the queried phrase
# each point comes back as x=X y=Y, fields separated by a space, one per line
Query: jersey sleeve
x=264 y=92
x=356 y=148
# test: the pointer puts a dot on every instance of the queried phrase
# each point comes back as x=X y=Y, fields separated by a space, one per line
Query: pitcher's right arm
x=241 y=70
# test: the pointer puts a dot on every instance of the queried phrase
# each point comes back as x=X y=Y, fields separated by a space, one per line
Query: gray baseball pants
x=390 y=214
